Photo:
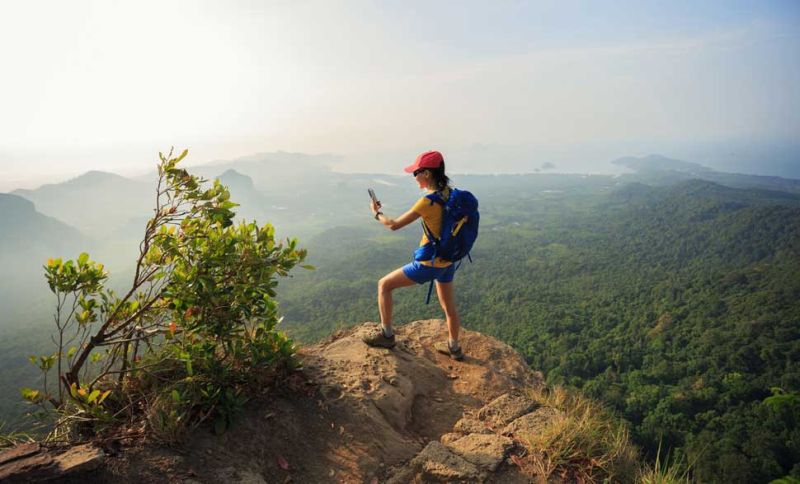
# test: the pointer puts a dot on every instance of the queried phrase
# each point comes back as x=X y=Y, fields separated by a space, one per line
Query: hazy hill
x=660 y=163
x=27 y=240
x=236 y=181
x=95 y=202
x=253 y=204
x=276 y=173
x=301 y=196
x=21 y=221
x=656 y=169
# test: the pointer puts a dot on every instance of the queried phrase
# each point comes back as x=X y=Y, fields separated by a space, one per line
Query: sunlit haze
x=496 y=86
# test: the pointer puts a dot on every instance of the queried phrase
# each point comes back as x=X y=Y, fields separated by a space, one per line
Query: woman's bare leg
x=386 y=285
x=447 y=299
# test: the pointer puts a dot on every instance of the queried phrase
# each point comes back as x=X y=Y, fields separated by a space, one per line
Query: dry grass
x=583 y=442
x=12 y=438
x=665 y=472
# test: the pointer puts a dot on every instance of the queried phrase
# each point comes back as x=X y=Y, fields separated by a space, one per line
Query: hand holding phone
x=375 y=203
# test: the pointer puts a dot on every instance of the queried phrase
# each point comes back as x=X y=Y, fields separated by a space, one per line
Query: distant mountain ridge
x=232 y=178
x=698 y=188
x=13 y=205
x=275 y=172
x=27 y=239
x=85 y=181
x=660 y=170
x=253 y=204
x=301 y=196
x=659 y=162
x=96 y=202
x=21 y=222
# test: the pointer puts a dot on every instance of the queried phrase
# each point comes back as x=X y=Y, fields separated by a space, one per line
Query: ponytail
x=439 y=178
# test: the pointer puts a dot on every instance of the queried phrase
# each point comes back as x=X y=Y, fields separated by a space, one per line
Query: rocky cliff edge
x=361 y=414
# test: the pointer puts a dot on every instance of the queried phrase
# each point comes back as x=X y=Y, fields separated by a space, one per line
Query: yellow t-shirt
x=431 y=213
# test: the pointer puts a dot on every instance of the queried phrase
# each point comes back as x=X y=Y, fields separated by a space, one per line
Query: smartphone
x=372 y=195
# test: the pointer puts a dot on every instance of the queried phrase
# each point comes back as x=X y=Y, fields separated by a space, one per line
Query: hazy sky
x=497 y=86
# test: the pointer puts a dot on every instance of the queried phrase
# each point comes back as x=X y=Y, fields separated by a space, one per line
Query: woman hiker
x=428 y=170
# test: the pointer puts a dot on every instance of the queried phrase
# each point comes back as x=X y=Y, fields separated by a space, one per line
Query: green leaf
x=93 y=396
x=182 y=156
x=31 y=395
x=83 y=258
x=308 y=266
x=103 y=396
x=46 y=362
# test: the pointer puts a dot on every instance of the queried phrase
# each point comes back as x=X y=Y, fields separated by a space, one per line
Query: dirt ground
x=352 y=414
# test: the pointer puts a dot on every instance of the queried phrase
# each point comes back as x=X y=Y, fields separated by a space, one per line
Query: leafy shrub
x=194 y=334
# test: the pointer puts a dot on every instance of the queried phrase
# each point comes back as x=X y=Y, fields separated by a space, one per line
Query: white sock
x=452 y=344
x=387 y=331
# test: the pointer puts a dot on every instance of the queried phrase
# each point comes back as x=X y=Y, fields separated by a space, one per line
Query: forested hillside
x=679 y=306
x=674 y=300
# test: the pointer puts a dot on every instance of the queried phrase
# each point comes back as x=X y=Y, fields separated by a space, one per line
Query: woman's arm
x=393 y=224
x=401 y=222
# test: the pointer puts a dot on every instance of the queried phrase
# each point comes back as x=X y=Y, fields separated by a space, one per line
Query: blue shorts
x=421 y=274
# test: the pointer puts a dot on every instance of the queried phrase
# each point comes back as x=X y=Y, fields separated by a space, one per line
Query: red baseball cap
x=429 y=159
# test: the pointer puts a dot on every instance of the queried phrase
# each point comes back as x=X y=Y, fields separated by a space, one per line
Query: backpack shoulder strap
x=435 y=197
x=427 y=231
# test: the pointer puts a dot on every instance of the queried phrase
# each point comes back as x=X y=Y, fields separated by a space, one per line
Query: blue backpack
x=460 y=219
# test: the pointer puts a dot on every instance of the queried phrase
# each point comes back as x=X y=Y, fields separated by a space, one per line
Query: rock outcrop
x=34 y=462
x=361 y=414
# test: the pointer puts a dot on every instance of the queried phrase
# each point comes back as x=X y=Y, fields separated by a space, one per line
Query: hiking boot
x=377 y=338
x=444 y=348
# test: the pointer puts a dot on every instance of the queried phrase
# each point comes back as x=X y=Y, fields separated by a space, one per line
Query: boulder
x=486 y=451
x=469 y=425
x=532 y=422
x=506 y=408
x=34 y=462
x=438 y=463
